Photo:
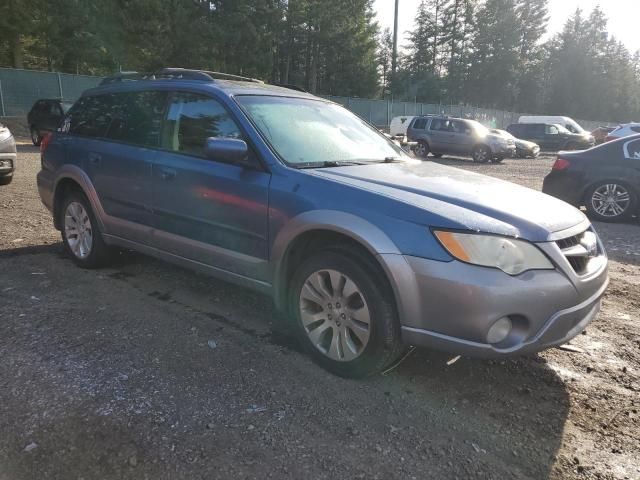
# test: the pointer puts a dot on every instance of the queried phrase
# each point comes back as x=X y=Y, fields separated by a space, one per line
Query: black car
x=45 y=116
x=551 y=136
x=605 y=179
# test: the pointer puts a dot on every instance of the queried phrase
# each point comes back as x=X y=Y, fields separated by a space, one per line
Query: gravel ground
x=145 y=370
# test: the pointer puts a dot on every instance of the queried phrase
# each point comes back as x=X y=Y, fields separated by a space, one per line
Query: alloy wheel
x=610 y=200
x=78 y=230
x=421 y=150
x=335 y=315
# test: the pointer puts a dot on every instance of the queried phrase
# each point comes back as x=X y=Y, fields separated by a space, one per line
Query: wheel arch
x=312 y=231
x=72 y=177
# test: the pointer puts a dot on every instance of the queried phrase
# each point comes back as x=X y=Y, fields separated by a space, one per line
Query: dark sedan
x=604 y=179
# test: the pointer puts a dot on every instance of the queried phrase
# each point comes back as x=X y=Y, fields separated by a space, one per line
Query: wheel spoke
x=310 y=293
x=317 y=281
x=309 y=318
x=317 y=333
x=361 y=332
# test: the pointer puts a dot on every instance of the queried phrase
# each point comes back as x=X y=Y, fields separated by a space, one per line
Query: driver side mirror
x=229 y=150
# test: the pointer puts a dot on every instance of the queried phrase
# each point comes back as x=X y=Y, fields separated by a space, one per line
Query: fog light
x=499 y=331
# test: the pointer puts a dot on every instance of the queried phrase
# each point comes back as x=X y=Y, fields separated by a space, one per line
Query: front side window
x=192 y=119
x=307 y=132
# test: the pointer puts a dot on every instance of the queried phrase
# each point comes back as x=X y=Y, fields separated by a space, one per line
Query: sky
x=621 y=15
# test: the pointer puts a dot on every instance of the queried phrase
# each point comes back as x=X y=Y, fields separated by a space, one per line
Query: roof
x=229 y=84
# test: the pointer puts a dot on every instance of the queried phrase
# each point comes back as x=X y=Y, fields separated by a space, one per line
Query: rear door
x=440 y=135
x=207 y=210
x=115 y=140
x=552 y=138
x=463 y=139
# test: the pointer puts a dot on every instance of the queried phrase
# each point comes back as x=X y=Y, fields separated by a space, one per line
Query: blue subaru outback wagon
x=364 y=249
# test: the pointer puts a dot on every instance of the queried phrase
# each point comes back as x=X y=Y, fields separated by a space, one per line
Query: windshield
x=308 y=132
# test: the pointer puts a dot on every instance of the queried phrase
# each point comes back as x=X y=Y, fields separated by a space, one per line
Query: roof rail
x=178 y=74
x=290 y=87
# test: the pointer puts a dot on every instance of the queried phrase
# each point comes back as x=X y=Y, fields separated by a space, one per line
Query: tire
x=324 y=319
x=36 y=138
x=497 y=159
x=76 y=215
x=481 y=154
x=611 y=201
x=6 y=179
x=437 y=155
x=421 y=149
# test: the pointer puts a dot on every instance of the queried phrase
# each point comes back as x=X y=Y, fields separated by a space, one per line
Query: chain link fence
x=19 y=89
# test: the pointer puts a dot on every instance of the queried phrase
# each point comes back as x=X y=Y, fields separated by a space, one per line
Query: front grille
x=579 y=250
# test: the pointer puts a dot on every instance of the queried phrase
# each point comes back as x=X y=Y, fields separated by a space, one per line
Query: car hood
x=456 y=198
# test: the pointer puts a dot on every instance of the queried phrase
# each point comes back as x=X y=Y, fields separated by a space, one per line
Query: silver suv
x=440 y=135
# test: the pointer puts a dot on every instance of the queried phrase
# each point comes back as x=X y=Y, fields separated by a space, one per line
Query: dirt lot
x=112 y=374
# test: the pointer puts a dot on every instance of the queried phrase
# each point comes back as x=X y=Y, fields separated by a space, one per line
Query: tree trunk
x=15 y=44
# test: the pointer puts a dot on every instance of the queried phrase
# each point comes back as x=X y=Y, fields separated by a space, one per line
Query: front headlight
x=508 y=254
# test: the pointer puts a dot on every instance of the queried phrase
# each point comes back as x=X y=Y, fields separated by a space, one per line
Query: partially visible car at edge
x=441 y=135
x=551 y=137
x=624 y=130
x=524 y=148
x=399 y=125
x=45 y=116
x=8 y=155
x=600 y=134
x=604 y=179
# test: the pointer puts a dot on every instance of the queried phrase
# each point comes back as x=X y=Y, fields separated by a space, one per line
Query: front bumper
x=7 y=163
x=451 y=306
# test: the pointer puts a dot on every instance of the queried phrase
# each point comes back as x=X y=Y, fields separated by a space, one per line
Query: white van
x=567 y=122
x=399 y=125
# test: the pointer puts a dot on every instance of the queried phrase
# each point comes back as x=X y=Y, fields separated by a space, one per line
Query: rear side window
x=90 y=116
x=136 y=117
x=129 y=117
x=191 y=119
x=420 y=123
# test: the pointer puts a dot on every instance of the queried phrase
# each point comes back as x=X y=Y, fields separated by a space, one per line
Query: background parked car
x=567 y=122
x=7 y=155
x=439 y=135
x=45 y=116
x=624 y=130
x=605 y=179
x=600 y=134
x=524 y=149
x=551 y=137
x=399 y=125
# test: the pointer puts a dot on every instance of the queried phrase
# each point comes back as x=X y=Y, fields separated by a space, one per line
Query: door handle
x=167 y=174
x=95 y=158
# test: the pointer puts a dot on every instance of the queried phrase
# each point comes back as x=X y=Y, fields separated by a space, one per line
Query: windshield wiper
x=329 y=164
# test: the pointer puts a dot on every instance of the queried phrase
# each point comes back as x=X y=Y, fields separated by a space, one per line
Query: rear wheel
x=437 y=155
x=481 y=154
x=497 y=159
x=421 y=149
x=611 y=201
x=80 y=232
x=36 y=138
x=343 y=314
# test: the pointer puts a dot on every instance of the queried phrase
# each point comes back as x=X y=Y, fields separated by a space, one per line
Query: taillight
x=561 y=164
x=44 y=143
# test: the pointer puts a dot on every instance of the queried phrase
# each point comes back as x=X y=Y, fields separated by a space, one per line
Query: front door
x=207 y=210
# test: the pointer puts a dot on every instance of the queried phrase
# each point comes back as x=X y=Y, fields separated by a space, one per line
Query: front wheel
x=343 y=314
x=36 y=138
x=481 y=154
x=497 y=159
x=611 y=201
x=80 y=232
